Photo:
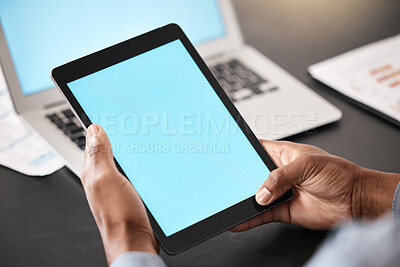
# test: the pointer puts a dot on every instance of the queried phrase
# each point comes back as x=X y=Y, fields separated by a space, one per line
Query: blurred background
x=46 y=221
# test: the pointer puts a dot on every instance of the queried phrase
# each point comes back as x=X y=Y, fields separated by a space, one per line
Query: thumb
x=98 y=151
x=279 y=181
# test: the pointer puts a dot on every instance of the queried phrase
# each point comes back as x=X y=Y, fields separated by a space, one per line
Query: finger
x=279 y=181
x=276 y=147
x=283 y=152
x=98 y=153
x=253 y=222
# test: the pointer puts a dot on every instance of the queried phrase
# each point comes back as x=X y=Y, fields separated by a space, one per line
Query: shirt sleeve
x=396 y=203
x=144 y=259
x=352 y=244
x=355 y=244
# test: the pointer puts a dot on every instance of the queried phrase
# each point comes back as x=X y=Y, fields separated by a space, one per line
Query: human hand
x=327 y=189
x=116 y=206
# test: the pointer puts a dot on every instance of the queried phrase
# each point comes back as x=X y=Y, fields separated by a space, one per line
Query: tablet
x=175 y=134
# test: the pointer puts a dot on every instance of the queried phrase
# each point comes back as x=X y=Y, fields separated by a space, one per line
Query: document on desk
x=20 y=150
x=369 y=74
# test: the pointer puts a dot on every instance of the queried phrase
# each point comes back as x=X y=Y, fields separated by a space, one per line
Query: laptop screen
x=43 y=34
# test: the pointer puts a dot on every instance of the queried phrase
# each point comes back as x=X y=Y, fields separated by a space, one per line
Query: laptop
x=273 y=103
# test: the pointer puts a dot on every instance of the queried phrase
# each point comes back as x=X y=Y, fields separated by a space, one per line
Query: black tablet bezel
x=102 y=59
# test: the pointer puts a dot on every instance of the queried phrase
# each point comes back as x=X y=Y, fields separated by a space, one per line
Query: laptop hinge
x=54 y=104
x=214 y=56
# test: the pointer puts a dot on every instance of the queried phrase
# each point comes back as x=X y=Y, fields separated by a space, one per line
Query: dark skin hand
x=327 y=190
x=116 y=206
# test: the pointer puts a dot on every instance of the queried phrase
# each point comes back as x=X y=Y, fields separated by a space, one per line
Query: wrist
x=122 y=239
x=373 y=193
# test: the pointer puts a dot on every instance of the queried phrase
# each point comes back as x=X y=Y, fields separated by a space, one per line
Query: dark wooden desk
x=46 y=221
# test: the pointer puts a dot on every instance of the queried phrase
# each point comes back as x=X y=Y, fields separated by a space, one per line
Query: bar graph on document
x=370 y=75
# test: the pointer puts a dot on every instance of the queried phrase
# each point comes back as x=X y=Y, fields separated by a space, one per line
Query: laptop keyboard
x=65 y=121
x=240 y=82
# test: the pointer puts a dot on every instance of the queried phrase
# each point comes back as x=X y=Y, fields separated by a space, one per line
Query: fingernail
x=92 y=130
x=91 y=136
x=93 y=141
x=263 y=196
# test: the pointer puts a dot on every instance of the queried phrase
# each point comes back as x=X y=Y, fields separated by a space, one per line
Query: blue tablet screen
x=172 y=136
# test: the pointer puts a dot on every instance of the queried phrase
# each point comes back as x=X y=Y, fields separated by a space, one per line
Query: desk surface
x=47 y=220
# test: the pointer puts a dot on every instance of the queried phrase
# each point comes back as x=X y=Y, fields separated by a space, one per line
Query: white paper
x=370 y=75
x=20 y=150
